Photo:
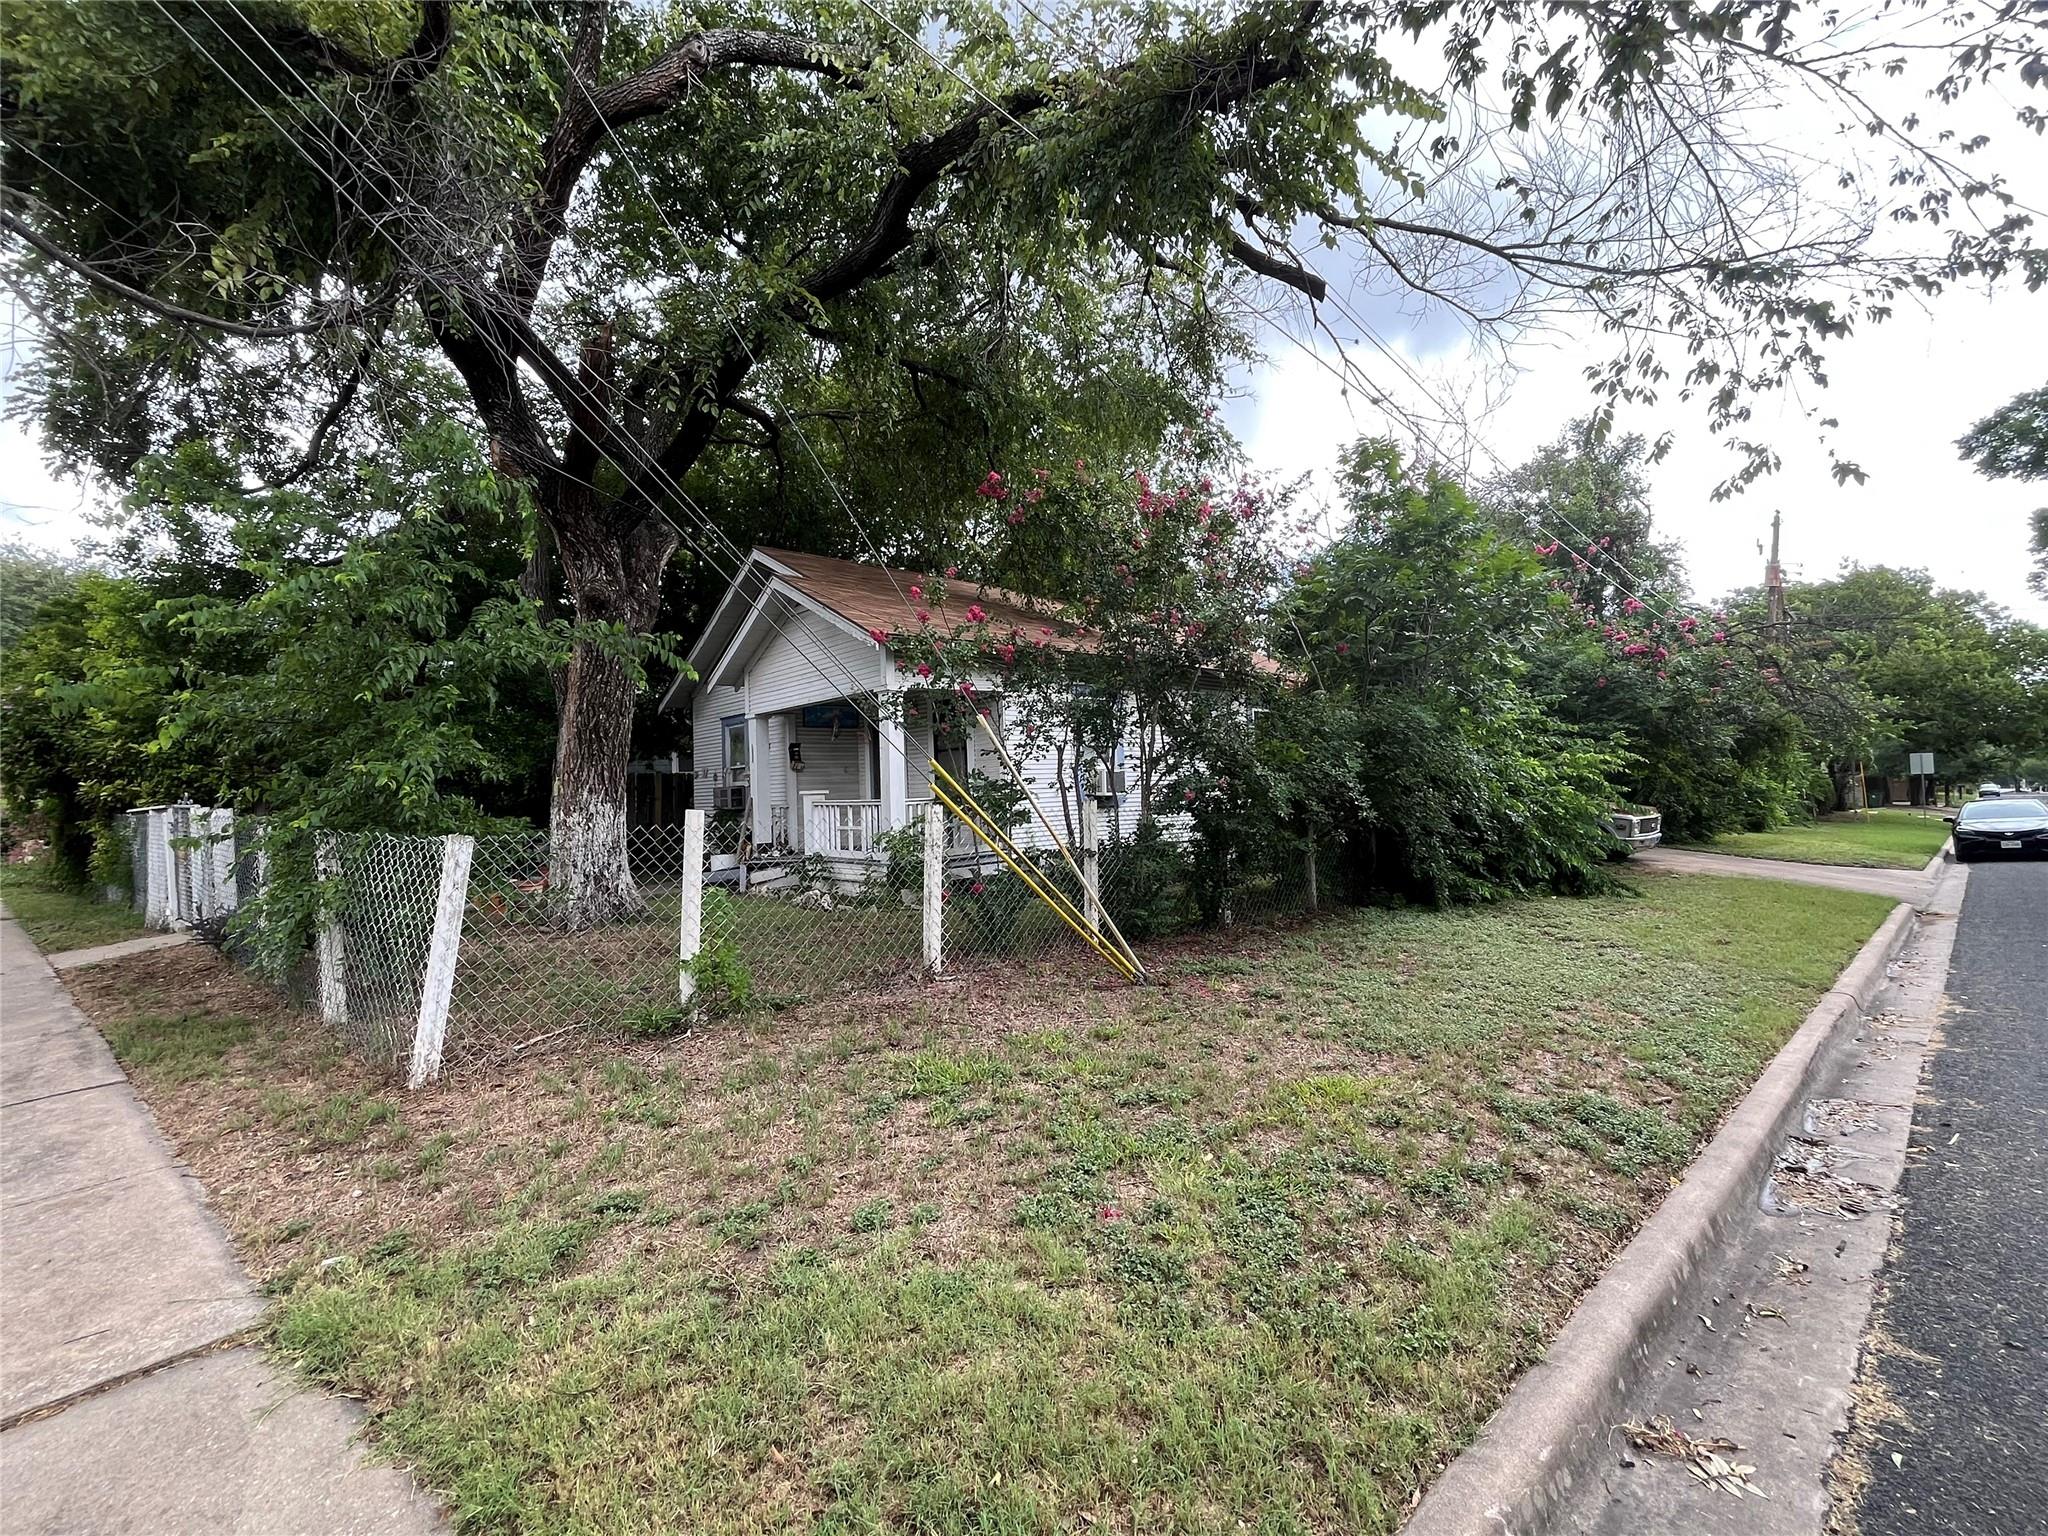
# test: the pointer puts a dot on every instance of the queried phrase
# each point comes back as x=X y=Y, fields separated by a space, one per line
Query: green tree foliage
x=1951 y=673
x=1423 y=746
x=81 y=697
x=1722 y=730
x=348 y=655
x=2012 y=444
x=1586 y=495
x=650 y=242
x=29 y=579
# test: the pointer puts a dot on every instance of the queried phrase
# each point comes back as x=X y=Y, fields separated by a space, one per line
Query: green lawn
x=60 y=916
x=1256 y=1248
x=1884 y=840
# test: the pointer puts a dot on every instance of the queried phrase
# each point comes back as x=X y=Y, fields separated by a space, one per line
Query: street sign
x=1920 y=762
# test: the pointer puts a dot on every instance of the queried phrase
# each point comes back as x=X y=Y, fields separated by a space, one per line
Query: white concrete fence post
x=163 y=871
x=437 y=986
x=934 y=887
x=329 y=948
x=1091 y=863
x=690 y=924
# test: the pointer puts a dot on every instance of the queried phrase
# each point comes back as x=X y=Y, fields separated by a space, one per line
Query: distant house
x=778 y=735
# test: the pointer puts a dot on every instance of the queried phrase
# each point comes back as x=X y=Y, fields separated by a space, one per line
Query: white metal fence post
x=1312 y=872
x=934 y=887
x=329 y=948
x=438 y=984
x=1091 y=863
x=690 y=924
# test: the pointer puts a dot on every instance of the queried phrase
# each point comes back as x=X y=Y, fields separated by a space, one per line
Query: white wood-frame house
x=785 y=730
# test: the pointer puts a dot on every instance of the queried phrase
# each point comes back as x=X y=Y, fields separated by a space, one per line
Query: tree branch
x=164 y=307
x=1268 y=265
x=590 y=113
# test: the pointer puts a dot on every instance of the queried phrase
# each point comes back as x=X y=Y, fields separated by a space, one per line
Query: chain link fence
x=457 y=950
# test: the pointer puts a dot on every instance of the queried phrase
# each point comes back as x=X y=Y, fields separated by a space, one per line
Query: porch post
x=894 y=766
x=763 y=820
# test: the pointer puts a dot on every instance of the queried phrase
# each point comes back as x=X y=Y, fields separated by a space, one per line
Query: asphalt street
x=1964 y=1351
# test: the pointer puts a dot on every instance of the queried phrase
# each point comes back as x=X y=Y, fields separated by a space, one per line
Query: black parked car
x=2005 y=827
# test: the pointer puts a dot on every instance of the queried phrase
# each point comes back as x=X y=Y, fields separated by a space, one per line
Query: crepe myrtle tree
x=1153 y=601
x=647 y=239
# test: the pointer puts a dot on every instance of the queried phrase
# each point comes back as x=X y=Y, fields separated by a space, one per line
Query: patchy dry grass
x=1259 y=1247
x=1881 y=840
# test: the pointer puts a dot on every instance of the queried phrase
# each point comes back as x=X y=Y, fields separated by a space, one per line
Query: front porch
x=824 y=779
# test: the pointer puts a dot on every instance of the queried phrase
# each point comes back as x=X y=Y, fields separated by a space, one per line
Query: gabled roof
x=874 y=597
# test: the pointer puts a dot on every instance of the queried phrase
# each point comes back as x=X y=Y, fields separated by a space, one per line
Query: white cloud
x=1902 y=392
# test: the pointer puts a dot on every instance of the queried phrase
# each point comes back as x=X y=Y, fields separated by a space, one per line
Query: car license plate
x=2009 y=842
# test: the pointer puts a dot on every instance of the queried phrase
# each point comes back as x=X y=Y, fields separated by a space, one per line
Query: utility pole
x=1774 y=579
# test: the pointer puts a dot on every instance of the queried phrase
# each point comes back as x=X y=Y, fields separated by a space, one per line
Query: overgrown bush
x=1145 y=883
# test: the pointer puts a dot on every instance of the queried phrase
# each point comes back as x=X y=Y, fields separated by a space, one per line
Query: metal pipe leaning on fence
x=985 y=827
x=1009 y=762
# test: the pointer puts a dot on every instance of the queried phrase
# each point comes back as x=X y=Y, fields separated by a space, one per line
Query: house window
x=736 y=744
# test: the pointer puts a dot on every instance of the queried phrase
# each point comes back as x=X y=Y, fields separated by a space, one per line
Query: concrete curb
x=1560 y=1414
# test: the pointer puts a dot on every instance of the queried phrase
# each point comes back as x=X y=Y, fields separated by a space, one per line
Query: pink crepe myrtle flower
x=1632 y=605
x=1600 y=682
x=992 y=486
x=952 y=571
x=924 y=669
x=976 y=614
x=1015 y=518
x=1662 y=655
x=1188 y=795
x=879 y=636
x=1007 y=654
x=1035 y=495
x=1343 y=647
x=916 y=592
x=924 y=616
x=977 y=889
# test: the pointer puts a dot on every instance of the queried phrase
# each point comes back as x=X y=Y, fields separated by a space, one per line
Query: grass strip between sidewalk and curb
x=1260 y=1246
x=1886 y=839
x=1560 y=1415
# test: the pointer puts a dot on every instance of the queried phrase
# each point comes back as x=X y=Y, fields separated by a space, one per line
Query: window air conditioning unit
x=1106 y=782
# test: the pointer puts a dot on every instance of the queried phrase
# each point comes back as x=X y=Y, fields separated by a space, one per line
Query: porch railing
x=843 y=828
x=853 y=828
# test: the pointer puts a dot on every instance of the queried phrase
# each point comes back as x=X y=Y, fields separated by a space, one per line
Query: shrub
x=724 y=984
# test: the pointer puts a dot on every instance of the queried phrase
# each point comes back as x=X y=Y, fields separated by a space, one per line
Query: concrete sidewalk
x=126 y=1402
x=1910 y=885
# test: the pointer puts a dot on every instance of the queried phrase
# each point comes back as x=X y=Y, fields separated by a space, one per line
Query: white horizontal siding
x=708 y=709
x=807 y=659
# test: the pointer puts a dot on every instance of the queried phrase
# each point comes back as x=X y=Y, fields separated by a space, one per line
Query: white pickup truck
x=1636 y=826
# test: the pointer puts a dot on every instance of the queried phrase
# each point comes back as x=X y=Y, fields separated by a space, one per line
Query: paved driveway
x=1911 y=885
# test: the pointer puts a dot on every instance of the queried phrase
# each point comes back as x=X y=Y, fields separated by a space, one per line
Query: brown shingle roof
x=875 y=597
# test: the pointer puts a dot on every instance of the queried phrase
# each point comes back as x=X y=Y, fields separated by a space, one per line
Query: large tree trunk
x=614 y=578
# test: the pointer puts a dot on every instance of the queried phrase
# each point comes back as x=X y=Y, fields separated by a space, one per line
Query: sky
x=1902 y=393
